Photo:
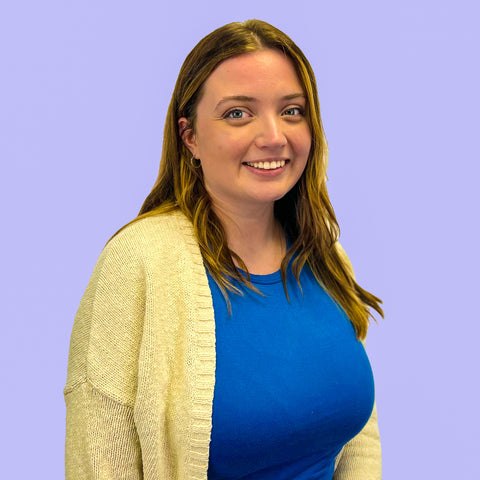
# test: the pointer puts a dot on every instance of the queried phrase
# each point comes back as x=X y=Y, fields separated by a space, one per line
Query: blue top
x=293 y=384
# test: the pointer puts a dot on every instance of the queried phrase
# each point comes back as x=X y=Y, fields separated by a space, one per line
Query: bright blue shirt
x=293 y=384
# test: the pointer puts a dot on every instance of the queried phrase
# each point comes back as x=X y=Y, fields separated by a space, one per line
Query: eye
x=293 y=111
x=235 y=114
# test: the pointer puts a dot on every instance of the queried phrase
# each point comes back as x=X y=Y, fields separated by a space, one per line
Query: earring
x=195 y=162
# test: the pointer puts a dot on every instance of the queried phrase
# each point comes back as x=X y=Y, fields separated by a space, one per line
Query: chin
x=269 y=198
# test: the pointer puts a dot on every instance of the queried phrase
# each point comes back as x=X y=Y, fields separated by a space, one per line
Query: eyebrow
x=245 y=98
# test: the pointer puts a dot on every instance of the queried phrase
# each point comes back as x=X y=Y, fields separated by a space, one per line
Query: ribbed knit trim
x=197 y=459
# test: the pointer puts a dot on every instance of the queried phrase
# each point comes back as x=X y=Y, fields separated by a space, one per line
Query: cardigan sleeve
x=361 y=457
x=101 y=440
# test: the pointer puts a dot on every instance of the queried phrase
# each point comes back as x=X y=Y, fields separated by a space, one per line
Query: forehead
x=266 y=71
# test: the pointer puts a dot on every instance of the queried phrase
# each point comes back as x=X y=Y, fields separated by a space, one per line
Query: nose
x=270 y=133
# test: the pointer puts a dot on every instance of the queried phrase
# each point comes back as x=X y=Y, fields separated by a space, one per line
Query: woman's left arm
x=361 y=458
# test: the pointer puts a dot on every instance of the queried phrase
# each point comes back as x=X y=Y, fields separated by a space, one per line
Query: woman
x=220 y=334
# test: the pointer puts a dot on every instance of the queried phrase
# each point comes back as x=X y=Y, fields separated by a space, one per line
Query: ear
x=185 y=130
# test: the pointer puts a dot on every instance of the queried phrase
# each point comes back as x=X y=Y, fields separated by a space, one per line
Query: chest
x=292 y=380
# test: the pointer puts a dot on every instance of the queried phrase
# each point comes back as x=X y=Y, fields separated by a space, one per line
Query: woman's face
x=251 y=133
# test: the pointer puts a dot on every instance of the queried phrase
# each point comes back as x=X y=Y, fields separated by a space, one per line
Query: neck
x=255 y=236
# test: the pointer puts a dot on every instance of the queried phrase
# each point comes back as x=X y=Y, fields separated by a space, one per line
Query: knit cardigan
x=141 y=369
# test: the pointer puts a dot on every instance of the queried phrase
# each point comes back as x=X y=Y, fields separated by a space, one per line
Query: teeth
x=267 y=165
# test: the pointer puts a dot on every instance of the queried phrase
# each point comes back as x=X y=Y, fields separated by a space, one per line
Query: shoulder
x=144 y=254
x=165 y=227
x=160 y=250
x=153 y=237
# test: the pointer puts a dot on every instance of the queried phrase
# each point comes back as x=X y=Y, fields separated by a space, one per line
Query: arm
x=101 y=439
x=361 y=458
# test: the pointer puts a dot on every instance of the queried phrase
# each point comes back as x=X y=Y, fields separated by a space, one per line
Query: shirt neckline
x=268 y=279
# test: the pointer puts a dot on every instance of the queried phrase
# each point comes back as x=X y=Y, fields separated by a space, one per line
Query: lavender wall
x=84 y=91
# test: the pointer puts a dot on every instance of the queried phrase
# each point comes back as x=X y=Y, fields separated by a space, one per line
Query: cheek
x=302 y=147
x=303 y=143
x=223 y=146
x=218 y=143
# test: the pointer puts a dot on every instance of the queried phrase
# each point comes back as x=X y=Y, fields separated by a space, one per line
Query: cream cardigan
x=141 y=369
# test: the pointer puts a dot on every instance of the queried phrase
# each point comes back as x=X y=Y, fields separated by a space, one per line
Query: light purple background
x=84 y=91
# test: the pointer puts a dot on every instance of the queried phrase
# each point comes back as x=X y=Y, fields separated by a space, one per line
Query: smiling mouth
x=267 y=165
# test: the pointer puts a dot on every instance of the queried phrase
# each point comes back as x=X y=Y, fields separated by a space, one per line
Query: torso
x=293 y=384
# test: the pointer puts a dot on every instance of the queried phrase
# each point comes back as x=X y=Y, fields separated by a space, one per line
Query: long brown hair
x=305 y=211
